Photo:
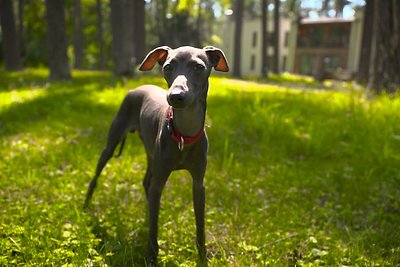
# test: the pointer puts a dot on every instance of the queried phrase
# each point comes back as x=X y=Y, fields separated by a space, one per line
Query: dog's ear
x=159 y=55
x=217 y=58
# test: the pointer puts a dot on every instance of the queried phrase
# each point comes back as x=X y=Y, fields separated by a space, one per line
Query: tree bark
x=57 y=41
x=11 y=49
x=161 y=7
x=122 y=36
x=276 y=37
x=325 y=8
x=78 y=35
x=363 y=66
x=339 y=5
x=117 y=32
x=264 y=38
x=237 y=52
x=373 y=55
x=139 y=34
x=385 y=50
x=199 y=25
x=21 y=34
x=100 y=36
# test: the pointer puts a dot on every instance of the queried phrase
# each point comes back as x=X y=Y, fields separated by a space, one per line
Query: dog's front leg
x=157 y=184
x=198 y=191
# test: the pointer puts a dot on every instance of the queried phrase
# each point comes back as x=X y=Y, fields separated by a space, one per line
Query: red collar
x=177 y=136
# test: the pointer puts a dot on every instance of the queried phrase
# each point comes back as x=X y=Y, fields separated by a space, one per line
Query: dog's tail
x=121 y=147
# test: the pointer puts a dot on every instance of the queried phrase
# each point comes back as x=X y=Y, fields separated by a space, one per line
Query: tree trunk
x=324 y=9
x=385 y=49
x=100 y=36
x=21 y=35
x=264 y=38
x=129 y=38
x=199 y=25
x=373 y=56
x=276 y=37
x=237 y=52
x=140 y=31
x=57 y=41
x=78 y=35
x=11 y=51
x=122 y=33
x=363 y=66
x=117 y=23
x=339 y=5
x=161 y=7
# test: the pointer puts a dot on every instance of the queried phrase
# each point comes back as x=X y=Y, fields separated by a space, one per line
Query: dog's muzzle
x=179 y=95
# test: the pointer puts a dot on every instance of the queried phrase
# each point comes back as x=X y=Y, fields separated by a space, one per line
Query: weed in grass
x=295 y=177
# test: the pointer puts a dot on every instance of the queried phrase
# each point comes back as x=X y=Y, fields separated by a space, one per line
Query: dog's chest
x=183 y=159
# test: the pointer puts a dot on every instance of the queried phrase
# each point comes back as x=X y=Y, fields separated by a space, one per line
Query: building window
x=307 y=62
x=254 y=42
x=284 y=63
x=310 y=35
x=271 y=39
x=339 y=36
x=270 y=60
x=286 y=38
x=253 y=62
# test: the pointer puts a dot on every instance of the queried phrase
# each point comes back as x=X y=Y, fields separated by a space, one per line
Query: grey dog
x=171 y=127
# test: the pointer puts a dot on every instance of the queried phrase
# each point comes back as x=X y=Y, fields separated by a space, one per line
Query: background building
x=251 y=43
x=323 y=47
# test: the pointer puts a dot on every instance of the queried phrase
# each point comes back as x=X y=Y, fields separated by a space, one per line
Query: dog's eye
x=168 y=68
x=199 y=67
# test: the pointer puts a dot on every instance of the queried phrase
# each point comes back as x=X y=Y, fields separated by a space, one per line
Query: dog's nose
x=179 y=95
x=177 y=98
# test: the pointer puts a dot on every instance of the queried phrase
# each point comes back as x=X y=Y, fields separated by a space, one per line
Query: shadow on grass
x=121 y=248
x=55 y=110
x=38 y=78
x=70 y=103
x=22 y=79
x=304 y=82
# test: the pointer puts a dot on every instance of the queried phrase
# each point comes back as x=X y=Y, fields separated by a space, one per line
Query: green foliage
x=177 y=26
x=90 y=32
x=34 y=35
x=295 y=177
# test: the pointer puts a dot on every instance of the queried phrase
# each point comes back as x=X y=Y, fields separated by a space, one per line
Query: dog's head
x=186 y=70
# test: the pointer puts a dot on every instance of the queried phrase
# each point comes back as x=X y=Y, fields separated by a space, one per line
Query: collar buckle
x=181 y=143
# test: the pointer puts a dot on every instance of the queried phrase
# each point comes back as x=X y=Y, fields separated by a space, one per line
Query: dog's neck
x=191 y=120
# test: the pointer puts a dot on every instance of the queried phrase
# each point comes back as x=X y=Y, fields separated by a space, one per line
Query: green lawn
x=298 y=177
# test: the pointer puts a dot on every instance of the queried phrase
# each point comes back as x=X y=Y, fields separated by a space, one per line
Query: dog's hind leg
x=116 y=134
x=147 y=177
x=121 y=147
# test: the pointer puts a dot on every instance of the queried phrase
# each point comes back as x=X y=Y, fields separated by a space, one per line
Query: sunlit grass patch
x=291 y=78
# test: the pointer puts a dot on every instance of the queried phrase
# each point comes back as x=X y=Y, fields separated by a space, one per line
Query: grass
x=295 y=177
